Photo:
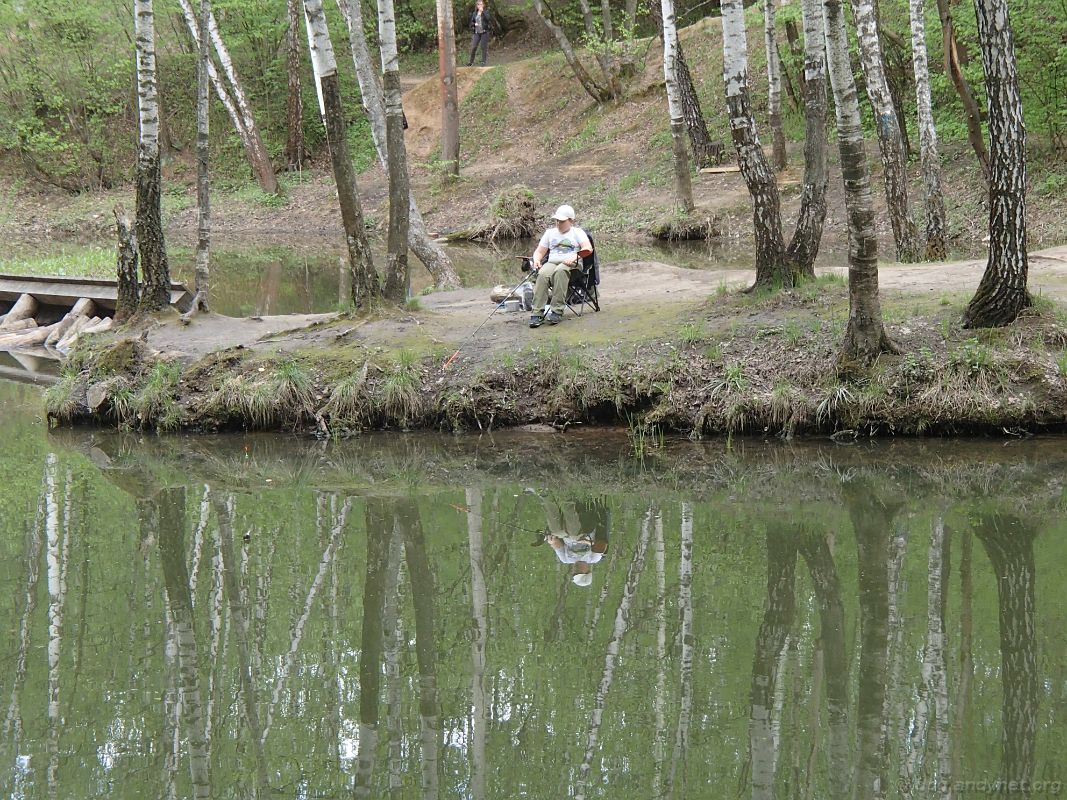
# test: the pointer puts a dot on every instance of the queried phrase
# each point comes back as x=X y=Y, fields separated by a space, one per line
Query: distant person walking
x=481 y=22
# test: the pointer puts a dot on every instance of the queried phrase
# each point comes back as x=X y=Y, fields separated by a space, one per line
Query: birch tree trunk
x=203 y=194
x=294 y=106
x=365 y=286
x=261 y=165
x=155 y=272
x=772 y=268
x=397 y=278
x=446 y=55
x=237 y=103
x=971 y=111
x=774 y=85
x=865 y=336
x=436 y=261
x=807 y=236
x=601 y=94
x=695 y=124
x=890 y=143
x=1002 y=293
x=126 y=266
x=683 y=186
x=928 y=154
x=56 y=566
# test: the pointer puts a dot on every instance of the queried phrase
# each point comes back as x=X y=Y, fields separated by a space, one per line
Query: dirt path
x=640 y=300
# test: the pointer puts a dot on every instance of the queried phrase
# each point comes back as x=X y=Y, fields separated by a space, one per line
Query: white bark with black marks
x=365 y=285
x=807 y=236
x=203 y=193
x=772 y=268
x=155 y=271
x=1002 y=293
x=774 y=85
x=890 y=142
x=677 y=775
x=683 y=186
x=479 y=608
x=433 y=257
x=865 y=336
x=928 y=154
x=397 y=278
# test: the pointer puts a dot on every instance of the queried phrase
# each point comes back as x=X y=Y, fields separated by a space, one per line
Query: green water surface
x=268 y=616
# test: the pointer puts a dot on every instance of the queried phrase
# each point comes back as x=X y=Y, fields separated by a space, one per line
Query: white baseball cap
x=563 y=212
x=582 y=579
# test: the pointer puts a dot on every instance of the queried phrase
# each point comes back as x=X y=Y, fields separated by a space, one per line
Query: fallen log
x=21 y=324
x=25 y=307
x=83 y=308
x=70 y=336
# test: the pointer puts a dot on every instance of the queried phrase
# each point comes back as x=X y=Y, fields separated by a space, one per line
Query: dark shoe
x=553 y=318
x=537 y=320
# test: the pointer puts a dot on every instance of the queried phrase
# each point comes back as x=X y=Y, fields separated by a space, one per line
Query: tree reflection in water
x=317 y=640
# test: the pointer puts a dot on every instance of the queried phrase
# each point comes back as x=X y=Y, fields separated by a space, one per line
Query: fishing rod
x=505 y=523
x=475 y=332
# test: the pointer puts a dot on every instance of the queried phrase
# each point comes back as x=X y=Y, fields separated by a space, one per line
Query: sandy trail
x=639 y=299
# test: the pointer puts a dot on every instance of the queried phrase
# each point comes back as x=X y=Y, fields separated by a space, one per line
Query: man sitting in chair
x=563 y=244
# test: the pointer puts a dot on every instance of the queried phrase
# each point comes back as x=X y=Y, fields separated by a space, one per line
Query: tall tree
x=603 y=89
x=931 y=161
x=683 y=186
x=865 y=336
x=807 y=236
x=446 y=61
x=771 y=266
x=248 y=130
x=365 y=285
x=971 y=112
x=155 y=272
x=203 y=194
x=436 y=261
x=890 y=141
x=397 y=278
x=1002 y=293
x=294 y=105
x=695 y=124
x=774 y=85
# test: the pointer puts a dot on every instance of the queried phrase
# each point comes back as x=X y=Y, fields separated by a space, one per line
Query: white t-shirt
x=562 y=245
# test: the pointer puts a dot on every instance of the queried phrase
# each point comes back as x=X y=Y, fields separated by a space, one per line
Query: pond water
x=263 y=616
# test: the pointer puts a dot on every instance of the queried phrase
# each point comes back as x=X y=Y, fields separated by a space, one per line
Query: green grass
x=1061 y=364
x=484 y=114
x=76 y=261
x=691 y=332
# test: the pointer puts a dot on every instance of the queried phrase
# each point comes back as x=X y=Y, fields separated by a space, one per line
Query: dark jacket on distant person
x=486 y=18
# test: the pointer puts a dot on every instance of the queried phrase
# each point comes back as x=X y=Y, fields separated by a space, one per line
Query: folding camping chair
x=582 y=291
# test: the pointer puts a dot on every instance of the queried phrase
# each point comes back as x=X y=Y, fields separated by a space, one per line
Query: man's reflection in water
x=578 y=533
